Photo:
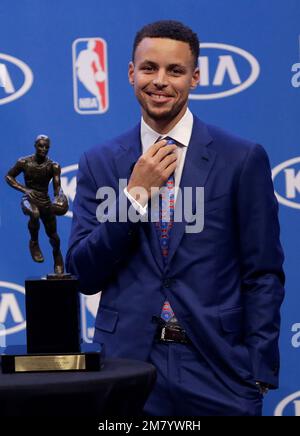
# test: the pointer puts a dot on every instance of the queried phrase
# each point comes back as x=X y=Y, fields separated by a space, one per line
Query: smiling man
x=203 y=307
x=163 y=73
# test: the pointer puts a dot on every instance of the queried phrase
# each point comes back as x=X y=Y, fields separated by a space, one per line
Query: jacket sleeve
x=261 y=264
x=96 y=247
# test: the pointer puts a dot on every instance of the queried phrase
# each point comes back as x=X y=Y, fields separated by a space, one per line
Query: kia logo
x=11 y=300
x=287 y=176
x=225 y=70
x=15 y=78
x=69 y=184
x=289 y=406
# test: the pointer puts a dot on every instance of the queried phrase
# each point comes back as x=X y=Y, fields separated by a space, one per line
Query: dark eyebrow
x=148 y=62
x=171 y=66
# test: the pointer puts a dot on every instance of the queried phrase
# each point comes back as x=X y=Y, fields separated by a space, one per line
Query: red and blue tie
x=164 y=226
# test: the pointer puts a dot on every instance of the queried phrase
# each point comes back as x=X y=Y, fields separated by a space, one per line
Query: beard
x=161 y=114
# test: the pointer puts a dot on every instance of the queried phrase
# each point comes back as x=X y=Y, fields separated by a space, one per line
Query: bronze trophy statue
x=38 y=172
x=52 y=303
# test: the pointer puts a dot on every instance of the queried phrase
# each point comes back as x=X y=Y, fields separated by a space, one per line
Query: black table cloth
x=119 y=389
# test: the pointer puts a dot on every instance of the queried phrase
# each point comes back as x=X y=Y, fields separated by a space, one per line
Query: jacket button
x=167 y=283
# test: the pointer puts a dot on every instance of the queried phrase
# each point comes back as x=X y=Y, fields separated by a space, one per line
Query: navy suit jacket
x=225 y=284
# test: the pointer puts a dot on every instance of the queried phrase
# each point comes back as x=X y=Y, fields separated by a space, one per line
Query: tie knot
x=170 y=140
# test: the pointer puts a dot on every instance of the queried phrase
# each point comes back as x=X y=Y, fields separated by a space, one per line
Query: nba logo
x=90 y=76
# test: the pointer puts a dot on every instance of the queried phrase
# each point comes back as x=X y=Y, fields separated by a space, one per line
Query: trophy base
x=20 y=362
x=52 y=315
x=64 y=276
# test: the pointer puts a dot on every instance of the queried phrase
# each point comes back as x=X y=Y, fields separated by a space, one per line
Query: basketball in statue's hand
x=100 y=76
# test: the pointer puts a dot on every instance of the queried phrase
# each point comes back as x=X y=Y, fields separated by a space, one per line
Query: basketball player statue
x=38 y=171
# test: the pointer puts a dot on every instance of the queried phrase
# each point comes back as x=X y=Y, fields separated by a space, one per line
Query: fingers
x=163 y=152
x=168 y=160
x=160 y=149
x=169 y=170
x=156 y=146
x=157 y=154
x=154 y=167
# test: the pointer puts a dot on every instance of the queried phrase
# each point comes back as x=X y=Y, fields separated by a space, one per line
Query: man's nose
x=160 y=79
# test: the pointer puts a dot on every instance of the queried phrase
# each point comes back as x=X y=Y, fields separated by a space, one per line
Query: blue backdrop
x=63 y=72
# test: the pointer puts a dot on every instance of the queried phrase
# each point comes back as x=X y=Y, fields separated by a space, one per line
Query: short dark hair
x=42 y=138
x=169 y=29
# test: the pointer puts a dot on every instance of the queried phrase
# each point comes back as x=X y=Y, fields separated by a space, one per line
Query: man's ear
x=195 y=78
x=131 y=73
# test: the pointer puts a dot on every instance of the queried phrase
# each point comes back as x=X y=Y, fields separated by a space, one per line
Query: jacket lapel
x=199 y=161
x=129 y=152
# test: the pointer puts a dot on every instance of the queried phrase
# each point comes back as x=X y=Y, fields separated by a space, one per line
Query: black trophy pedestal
x=52 y=315
x=52 y=330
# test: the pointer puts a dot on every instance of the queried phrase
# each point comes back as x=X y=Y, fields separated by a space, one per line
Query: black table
x=119 y=389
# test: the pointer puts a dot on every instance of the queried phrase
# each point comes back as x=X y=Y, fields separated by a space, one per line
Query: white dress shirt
x=181 y=133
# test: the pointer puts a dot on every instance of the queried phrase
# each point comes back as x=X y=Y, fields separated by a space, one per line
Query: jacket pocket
x=107 y=320
x=232 y=319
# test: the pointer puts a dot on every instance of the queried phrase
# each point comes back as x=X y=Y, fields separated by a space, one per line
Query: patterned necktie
x=164 y=226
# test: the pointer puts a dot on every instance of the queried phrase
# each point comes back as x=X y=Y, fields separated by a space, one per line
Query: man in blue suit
x=202 y=305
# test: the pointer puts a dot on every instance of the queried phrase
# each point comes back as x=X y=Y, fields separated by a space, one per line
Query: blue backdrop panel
x=63 y=72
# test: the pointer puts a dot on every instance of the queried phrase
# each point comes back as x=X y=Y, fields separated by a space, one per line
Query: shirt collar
x=181 y=132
